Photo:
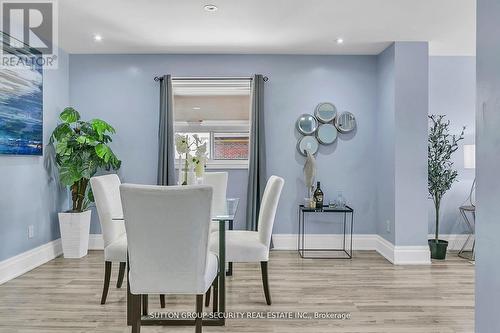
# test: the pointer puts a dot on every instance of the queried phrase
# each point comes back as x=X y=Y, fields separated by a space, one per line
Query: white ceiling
x=265 y=26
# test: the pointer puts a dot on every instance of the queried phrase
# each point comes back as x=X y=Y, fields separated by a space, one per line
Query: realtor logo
x=29 y=32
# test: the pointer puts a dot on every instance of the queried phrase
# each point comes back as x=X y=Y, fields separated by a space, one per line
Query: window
x=230 y=146
x=218 y=112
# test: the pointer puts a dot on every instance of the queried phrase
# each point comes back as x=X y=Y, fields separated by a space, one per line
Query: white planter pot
x=75 y=229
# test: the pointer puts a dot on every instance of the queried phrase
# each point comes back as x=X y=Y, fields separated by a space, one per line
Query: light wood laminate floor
x=63 y=296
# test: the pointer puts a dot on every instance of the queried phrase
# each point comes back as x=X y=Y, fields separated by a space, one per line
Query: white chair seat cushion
x=241 y=246
x=117 y=250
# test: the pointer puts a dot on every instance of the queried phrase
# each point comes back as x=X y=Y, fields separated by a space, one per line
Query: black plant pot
x=438 y=249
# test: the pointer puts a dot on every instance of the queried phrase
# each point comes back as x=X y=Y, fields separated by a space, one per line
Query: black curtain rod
x=159 y=78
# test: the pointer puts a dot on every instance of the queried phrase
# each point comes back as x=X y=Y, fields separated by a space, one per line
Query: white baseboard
x=412 y=255
x=403 y=255
x=455 y=241
x=26 y=261
x=96 y=242
x=324 y=241
x=398 y=255
x=385 y=248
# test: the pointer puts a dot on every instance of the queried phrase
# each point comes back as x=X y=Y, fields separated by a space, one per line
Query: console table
x=471 y=227
x=347 y=216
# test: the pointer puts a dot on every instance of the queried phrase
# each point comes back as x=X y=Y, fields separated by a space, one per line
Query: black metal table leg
x=222 y=268
x=352 y=226
x=129 y=298
x=230 y=264
x=298 y=233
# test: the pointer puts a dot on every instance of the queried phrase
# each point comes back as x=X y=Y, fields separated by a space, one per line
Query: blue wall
x=452 y=91
x=487 y=167
x=121 y=90
x=410 y=140
x=385 y=220
x=30 y=195
x=402 y=143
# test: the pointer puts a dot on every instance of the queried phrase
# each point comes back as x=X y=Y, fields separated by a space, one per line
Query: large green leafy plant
x=441 y=146
x=81 y=150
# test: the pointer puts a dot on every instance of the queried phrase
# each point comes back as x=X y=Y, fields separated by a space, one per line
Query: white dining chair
x=106 y=190
x=253 y=246
x=168 y=250
x=218 y=182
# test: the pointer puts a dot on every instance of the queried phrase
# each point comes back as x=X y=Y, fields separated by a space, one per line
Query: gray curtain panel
x=257 y=159
x=166 y=157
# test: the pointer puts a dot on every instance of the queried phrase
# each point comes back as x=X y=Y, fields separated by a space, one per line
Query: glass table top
x=326 y=208
x=226 y=214
x=229 y=211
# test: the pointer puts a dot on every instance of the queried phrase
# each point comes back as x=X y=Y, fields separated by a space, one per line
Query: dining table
x=224 y=217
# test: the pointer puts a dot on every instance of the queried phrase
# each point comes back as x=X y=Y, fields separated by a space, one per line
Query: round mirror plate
x=325 y=112
x=308 y=143
x=326 y=134
x=345 y=122
x=307 y=124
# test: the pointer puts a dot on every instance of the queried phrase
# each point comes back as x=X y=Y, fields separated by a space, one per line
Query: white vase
x=179 y=172
x=75 y=229
x=191 y=177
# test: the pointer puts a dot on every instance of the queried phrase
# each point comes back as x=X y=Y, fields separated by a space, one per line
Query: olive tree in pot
x=441 y=175
x=81 y=150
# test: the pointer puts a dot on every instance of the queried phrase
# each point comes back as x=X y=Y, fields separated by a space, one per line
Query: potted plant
x=441 y=175
x=81 y=150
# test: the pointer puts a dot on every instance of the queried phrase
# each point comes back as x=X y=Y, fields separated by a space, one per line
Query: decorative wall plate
x=306 y=124
x=326 y=134
x=345 y=122
x=308 y=143
x=325 y=112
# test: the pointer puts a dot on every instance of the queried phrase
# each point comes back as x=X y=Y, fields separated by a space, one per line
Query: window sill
x=217 y=165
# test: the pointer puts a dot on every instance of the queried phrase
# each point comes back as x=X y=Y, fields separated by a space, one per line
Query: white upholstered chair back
x=218 y=182
x=106 y=190
x=167 y=231
x=268 y=207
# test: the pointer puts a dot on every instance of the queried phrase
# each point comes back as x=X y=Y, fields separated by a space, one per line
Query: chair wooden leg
x=121 y=273
x=136 y=313
x=265 y=282
x=162 y=301
x=145 y=305
x=199 y=312
x=215 y=306
x=207 y=297
x=107 y=277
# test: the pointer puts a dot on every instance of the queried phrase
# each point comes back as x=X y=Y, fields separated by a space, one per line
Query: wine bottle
x=318 y=196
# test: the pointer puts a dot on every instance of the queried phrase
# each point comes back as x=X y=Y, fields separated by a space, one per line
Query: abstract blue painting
x=21 y=111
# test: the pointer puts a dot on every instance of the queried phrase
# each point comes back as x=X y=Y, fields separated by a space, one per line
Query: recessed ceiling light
x=210 y=8
x=340 y=41
x=97 y=38
x=196 y=108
